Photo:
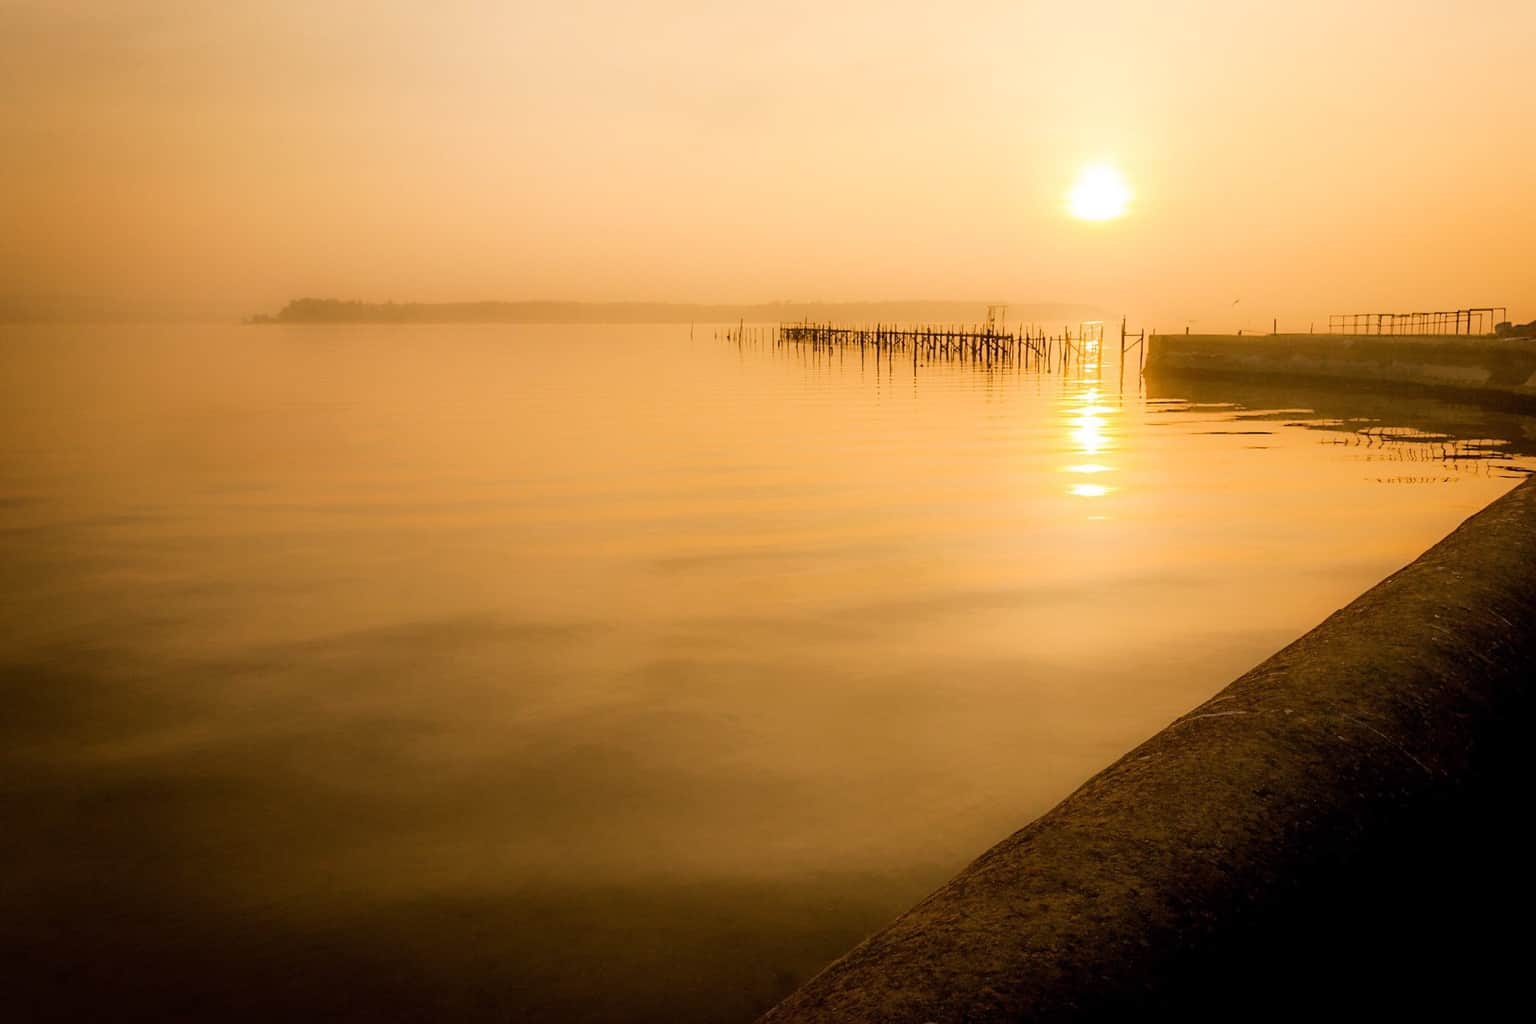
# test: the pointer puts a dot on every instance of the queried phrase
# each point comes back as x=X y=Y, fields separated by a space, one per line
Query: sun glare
x=1100 y=193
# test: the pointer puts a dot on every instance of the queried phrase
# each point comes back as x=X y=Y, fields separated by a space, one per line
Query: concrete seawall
x=1339 y=831
x=1503 y=368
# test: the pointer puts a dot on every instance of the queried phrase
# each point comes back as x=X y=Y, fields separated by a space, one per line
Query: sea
x=610 y=672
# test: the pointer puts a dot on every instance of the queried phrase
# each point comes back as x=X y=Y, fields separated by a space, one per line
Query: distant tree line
x=343 y=311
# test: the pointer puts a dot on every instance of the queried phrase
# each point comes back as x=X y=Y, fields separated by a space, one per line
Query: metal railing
x=1473 y=320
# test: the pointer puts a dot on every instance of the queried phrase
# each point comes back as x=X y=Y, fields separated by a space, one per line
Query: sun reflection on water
x=1091 y=437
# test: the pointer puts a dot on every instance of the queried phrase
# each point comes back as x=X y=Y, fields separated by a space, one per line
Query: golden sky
x=1301 y=157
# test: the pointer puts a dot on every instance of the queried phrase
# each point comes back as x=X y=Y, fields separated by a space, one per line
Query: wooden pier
x=987 y=345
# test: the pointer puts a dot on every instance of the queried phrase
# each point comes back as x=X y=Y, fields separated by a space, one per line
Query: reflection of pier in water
x=1456 y=436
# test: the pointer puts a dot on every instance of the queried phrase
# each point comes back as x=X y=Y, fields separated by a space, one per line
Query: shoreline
x=1329 y=829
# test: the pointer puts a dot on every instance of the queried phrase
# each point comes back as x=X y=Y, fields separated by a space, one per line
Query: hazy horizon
x=224 y=158
x=98 y=309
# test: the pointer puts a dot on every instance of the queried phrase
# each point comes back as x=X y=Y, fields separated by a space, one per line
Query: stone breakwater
x=1339 y=831
x=1484 y=367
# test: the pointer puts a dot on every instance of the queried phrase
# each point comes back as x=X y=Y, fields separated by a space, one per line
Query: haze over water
x=599 y=672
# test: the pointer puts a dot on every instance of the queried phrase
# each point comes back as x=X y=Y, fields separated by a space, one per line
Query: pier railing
x=1470 y=321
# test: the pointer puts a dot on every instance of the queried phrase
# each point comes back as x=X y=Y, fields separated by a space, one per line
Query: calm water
x=598 y=673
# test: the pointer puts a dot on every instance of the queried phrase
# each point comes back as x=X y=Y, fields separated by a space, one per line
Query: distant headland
x=339 y=311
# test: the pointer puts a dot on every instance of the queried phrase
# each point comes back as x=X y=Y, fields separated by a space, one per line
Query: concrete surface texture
x=1483 y=365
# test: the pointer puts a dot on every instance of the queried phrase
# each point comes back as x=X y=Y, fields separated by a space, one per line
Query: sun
x=1100 y=193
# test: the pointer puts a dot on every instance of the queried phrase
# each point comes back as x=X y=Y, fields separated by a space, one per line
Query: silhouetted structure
x=989 y=344
x=1474 y=320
